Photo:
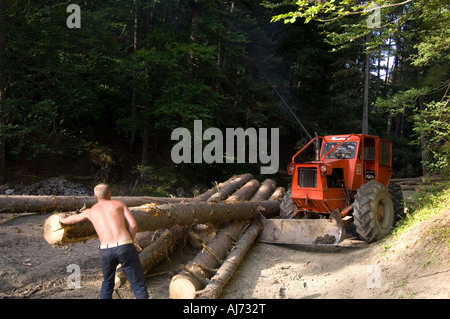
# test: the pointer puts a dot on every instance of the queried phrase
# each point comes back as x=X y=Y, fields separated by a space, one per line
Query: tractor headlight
x=323 y=169
x=290 y=168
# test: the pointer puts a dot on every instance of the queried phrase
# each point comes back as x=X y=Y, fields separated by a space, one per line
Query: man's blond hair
x=101 y=191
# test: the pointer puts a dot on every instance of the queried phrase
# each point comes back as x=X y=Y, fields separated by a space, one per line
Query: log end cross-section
x=53 y=230
x=56 y=233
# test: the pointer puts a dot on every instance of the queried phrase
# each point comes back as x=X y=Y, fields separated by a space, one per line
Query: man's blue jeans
x=127 y=256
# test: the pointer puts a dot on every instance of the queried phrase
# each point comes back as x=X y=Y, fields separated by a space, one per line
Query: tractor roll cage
x=321 y=137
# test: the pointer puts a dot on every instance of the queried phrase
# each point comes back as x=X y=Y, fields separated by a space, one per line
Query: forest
x=97 y=89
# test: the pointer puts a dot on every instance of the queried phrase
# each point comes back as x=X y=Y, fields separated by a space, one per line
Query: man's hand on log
x=64 y=215
x=81 y=209
x=138 y=248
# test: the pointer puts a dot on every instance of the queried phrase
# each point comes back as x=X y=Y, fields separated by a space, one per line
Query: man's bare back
x=112 y=220
x=109 y=220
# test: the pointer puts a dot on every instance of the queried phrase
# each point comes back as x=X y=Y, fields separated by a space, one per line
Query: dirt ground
x=414 y=266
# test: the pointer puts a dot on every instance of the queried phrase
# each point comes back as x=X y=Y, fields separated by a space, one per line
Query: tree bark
x=145 y=134
x=134 y=83
x=152 y=217
x=230 y=188
x=278 y=194
x=2 y=87
x=423 y=143
x=42 y=204
x=206 y=195
x=245 y=192
x=365 y=117
x=265 y=190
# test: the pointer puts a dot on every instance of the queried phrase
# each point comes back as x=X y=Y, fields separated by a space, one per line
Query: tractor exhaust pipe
x=317 y=147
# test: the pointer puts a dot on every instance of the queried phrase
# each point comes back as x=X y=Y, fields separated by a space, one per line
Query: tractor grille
x=307 y=177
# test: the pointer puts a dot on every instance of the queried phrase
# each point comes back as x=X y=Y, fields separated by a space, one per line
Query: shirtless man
x=116 y=229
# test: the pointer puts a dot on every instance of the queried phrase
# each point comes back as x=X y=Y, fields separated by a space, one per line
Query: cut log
x=206 y=195
x=409 y=188
x=201 y=234
x=186 y=284
x=230 y=188
x=416 y=180
x=157 y=251
x=215 y=286
x=245 y=192
x=43 y=204
x=152 y=217
x=265 y=190
x=154 y=253
x=145 y=238
x=278 y=194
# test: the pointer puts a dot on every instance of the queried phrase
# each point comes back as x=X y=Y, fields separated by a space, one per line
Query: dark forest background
x=101 y=101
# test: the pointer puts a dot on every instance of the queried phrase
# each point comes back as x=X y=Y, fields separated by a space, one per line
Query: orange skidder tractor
x=347 y=182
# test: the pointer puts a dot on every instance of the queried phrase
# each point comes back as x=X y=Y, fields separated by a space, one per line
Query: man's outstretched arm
x=72 y=219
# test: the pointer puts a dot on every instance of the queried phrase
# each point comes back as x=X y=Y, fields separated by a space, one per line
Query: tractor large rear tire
x=287 y=206
x=397 y=198
x=373 y=212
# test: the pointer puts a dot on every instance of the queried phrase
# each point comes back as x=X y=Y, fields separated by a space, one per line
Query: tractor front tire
x=373 y=211
x=287 y=206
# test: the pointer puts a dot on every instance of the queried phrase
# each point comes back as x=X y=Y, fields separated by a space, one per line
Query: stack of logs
x=232 y=206
x=414 y=184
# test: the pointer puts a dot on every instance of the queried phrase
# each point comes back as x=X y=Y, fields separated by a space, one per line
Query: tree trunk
x=386 y=76
x=134 y=88
x=165 y=216
x=2 y=87
x=146 y=129
x=42 y=204
x=389 y=124
x=365 y=118
x=195 y=10
x=145 y=132
x=423 y=143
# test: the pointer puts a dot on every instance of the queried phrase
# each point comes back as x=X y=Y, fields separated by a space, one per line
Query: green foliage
x=424 y=205
x=154 y=183
x=430 y=123
x=72 y=92
x=433 y=125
